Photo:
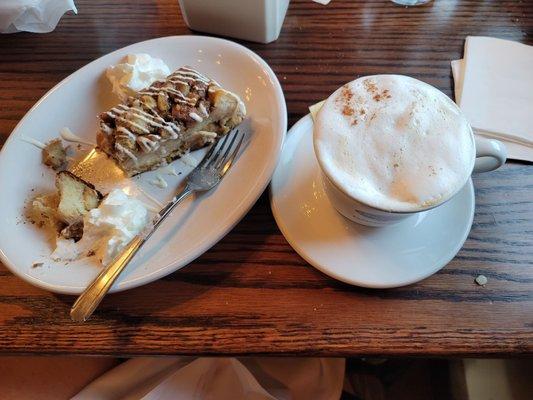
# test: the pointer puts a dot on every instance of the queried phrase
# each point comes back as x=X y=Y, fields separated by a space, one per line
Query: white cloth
x=494 y=88
x=254 y=378
x=38 y=16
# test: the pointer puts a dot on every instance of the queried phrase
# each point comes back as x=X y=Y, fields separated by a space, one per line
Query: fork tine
x=215 y=157
x=207 y=155
x=222 y=159
x=210 y=156
x=231 y=158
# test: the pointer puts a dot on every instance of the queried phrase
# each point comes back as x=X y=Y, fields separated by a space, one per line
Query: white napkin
x=494 y=88
x=38 y=16
x=220 y=378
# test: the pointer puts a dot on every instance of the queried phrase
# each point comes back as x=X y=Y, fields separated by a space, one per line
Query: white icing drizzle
x=203 y=110
x=191 y=72
x=33 y=141
x=150 y=142
x=142 y=115
x=127 y=121
x=172 y=130
x=134 y=110
x=185 y=79
x=159 y=181
x=181 y=98
x=122 y=131
x=168 y=170
x=152 y=119
x=173 y=135
x=188 y=160
x=68 y=136
x=126 y=151
x=106 y=128
x=117 y=110
x=210 y=135
x=195 y=116
x=146 y=144
x=179 y=80
x=179 y=94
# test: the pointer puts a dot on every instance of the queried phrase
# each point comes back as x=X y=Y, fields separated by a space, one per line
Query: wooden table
x=252 y=293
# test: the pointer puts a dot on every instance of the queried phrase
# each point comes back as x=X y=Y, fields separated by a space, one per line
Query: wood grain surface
x=252 y=293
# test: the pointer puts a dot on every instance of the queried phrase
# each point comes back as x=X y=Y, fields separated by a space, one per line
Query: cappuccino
x=394 y=143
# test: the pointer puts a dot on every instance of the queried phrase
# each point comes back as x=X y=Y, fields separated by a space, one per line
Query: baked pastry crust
x=167 y=120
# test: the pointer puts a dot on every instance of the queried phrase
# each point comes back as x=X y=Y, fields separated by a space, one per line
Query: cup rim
x=392 y=211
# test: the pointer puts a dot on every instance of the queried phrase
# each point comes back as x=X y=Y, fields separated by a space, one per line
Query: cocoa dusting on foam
x=348 y=111
x=383 y=95
x=347 y=108
x=371 y=87
x=347 y=93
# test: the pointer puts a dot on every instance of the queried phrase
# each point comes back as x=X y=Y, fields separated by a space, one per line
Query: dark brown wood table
x=251 y=293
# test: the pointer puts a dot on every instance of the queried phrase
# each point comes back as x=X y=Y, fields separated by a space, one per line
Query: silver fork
x=204 y=177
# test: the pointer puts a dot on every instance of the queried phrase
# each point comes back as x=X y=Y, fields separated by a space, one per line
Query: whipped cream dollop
x=106 y=229
x=136 y=72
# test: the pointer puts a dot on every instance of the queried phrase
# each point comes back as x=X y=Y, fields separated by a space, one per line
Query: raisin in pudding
x=167 y=120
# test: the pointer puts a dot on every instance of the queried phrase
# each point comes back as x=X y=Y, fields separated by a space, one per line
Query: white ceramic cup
x=490 y=155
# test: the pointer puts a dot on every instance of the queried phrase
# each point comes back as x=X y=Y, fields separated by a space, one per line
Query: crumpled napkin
x=254 y=378
x=37 y=16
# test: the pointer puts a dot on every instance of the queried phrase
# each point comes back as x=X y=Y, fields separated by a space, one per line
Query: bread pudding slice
x=63 y=210
x=167 y=120
x=76 y=197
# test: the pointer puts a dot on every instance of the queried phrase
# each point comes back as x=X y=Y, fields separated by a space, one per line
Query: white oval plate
x=370 y=257
x=198 y=223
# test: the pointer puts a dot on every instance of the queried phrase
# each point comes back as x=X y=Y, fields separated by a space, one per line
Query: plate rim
x=300 y=124
x=204 y=245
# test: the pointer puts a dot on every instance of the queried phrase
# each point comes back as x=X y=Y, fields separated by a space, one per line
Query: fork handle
x=87 y=302
x=95 y=292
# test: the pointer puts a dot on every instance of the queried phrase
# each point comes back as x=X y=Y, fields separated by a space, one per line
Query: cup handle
x=490 y=154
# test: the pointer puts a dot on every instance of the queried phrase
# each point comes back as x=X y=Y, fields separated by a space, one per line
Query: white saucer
x=371 y=257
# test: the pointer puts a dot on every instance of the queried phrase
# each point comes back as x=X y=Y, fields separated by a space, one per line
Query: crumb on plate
x=55 y=155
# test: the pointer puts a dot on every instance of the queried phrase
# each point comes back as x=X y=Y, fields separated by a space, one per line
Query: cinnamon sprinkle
x=383 y=95
x=347 y=110
x=346 y=93
x=370 y=86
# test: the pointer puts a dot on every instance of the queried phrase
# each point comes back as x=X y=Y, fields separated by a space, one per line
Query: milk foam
x=394 y=143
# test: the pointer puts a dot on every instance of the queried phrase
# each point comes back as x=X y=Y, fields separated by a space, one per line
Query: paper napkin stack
x=494 y=88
